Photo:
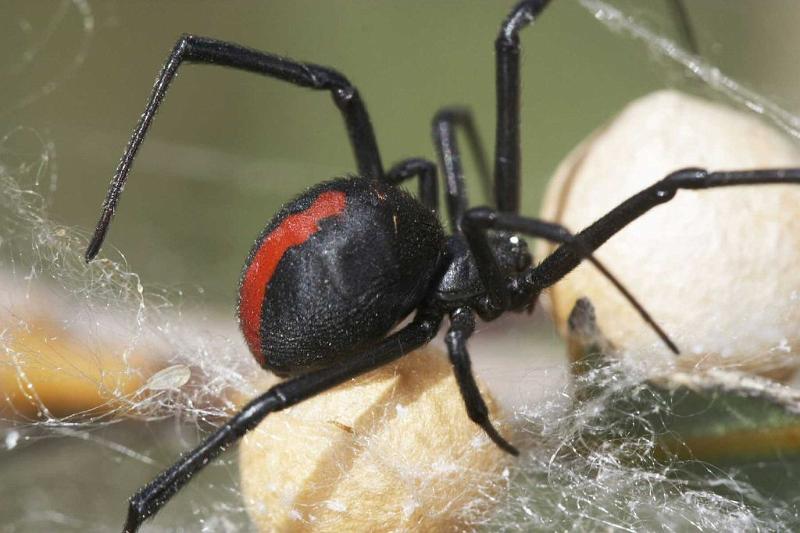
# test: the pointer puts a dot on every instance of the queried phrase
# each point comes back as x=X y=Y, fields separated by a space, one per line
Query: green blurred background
x=228 y=147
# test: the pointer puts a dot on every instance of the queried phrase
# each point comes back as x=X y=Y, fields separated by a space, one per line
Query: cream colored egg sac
x=392 y=450
x=718 y=269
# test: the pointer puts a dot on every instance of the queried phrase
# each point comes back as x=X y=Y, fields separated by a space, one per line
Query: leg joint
x=184 y=40
x=409 y=168
x=688 y=178
x=462 y=320
x=479 y=218
x=522 y=15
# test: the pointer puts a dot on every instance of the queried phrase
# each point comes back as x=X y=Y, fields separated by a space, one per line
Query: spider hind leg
x=149 y=499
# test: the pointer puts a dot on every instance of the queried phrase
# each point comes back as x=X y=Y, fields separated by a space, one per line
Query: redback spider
x=346 y=261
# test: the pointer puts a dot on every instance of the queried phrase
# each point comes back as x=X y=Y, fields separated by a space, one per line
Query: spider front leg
x=478 y=221
x=570 y=254
x=462 y=325
x=507 y=154
x=507 y=151
x=150 y=498
x=204 y=50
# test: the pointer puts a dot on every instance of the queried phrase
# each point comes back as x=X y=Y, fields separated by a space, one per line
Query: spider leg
x=507 y=155
x=507 y=150
x=462 y=325
x=569 y=255
x=195 y=49
x=425 y=171
x=481 y=219
x=150 y=498
x=681 y=17
x=445 y=123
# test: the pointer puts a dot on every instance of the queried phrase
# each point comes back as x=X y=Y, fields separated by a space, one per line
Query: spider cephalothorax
x=348 y=260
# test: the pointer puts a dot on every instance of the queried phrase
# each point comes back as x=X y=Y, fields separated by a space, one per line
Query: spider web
x=99 y=328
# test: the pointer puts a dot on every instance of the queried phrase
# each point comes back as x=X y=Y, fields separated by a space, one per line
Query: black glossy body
x=346 y=261
x=344 y=288
x=366 y=269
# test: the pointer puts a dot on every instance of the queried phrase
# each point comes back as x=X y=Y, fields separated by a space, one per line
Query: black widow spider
x=346 y=261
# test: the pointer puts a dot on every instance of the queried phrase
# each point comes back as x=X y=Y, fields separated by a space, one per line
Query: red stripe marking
x=294 y=230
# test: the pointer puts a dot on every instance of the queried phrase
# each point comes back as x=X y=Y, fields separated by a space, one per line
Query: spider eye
x=520 y=257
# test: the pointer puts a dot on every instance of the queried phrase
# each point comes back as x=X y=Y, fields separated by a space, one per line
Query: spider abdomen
x=334 y=271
